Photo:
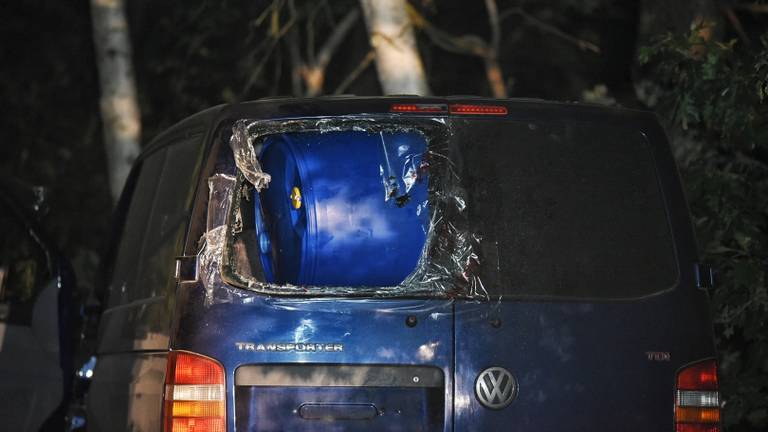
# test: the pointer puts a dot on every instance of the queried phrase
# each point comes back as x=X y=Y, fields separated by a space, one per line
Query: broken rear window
x=351 y=200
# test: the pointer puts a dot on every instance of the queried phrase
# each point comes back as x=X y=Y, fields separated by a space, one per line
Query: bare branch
x=310 y=35
x=270 y=47
x=294 y=53
x=492 y=67
x=549 y=28
x=493 y=19
x=736 y=23
x=467 y=44
x=495 y=78
x=277 y=73
x=310 y=29
x=297 y=65
x=276 y=4
x=314 y=73
x=328 y=13
x=335 y=39
x=470 y=45
x=362 y=66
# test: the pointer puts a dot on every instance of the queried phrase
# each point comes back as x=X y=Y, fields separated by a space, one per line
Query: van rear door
x=587 y=258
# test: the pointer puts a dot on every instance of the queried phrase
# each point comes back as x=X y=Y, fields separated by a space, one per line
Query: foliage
x=716 y=94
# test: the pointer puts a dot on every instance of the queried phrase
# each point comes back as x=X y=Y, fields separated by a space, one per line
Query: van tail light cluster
x=697 y=401
x=194 y=394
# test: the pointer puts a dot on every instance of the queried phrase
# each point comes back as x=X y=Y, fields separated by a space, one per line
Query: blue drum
x=344 y=208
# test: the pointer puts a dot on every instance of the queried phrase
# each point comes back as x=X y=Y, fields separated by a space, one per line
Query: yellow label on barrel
x=296 y=197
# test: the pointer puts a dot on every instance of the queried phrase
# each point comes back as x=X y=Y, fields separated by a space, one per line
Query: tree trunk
x=121 y=122
x=397 y=58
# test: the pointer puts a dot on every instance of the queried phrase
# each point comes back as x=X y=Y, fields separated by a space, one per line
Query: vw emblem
x=495 y=388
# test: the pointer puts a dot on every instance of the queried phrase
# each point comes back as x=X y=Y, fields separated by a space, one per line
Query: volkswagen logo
x=495 y=388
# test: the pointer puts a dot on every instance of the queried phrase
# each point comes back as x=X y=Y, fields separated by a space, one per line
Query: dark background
x=190 y=55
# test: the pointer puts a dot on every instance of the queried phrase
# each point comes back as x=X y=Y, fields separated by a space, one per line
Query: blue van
x=406 y=264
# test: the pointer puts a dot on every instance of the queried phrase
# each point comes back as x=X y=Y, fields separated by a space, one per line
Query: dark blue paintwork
x=372 y=332
x=579 y=365
x=362 y=207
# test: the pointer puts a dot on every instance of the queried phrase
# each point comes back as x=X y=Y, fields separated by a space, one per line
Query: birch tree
x=121 y=122
x=398 y=63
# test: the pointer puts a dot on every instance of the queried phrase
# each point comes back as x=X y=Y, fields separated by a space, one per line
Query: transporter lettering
x=290 y=347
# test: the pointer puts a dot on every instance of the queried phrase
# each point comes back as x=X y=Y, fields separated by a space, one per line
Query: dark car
x=36 y=286
x=406 y=264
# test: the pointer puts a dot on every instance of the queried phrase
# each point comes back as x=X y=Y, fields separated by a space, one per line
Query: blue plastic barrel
x=344 y=208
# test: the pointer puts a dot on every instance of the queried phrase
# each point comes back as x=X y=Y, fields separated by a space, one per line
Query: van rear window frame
x=433 y=128
x=438 y=127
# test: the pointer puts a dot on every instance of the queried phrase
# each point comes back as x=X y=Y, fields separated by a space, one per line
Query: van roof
x=386 y=101
x=278 y=107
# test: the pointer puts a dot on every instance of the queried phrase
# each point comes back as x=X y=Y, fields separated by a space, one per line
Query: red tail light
x=194 y=394
x=477 y=109
x=418 y=108
x=697 y=401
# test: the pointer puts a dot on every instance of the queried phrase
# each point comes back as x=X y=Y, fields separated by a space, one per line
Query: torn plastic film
x=220 y=189
x=246 y=157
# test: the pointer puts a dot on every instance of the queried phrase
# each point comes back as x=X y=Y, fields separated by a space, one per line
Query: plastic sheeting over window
x=355 y=207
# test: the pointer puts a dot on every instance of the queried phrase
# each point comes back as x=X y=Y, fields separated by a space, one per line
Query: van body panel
x=578 y=365
x=257 y=330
